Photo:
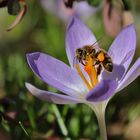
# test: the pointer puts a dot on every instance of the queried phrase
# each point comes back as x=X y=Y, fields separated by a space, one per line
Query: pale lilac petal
x=123 y=48
x=130 y=76
x=115 y=75
x=56 y=73
x=50 y=96
x=77 y=36
x=83 y=9
x=103 y=91
x=58 y=8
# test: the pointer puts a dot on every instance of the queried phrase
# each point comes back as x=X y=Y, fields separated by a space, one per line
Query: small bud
x=127 y=18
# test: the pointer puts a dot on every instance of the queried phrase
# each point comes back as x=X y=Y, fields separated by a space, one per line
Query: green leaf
x=94 y=2
x=60 y=120
x=75 y=126
x=31 y=115
x=127 y=4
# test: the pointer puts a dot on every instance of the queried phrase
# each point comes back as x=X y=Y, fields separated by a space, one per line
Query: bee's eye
x=79 y=51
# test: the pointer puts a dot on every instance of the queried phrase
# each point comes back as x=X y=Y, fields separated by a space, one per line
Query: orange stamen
x=91 y=71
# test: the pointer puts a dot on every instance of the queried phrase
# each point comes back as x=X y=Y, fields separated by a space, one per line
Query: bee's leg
x=79 y=61
x=108 y=66
x=92 y=53
x=96 y=63
x=99 y=68
x=82 y=62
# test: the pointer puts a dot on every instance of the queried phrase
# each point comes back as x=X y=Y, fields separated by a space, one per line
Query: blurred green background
x=23 y=116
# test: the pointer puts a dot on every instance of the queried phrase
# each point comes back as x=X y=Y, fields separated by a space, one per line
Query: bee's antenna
x=96 y=41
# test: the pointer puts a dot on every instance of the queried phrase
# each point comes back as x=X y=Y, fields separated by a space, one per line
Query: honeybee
x=100 y=57
x=103 y=60
x=82 y=53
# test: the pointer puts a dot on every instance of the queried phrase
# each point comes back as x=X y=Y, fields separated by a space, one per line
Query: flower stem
x=102 y=125
x=99 y=110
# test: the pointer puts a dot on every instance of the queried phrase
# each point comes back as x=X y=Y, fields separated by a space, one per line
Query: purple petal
x=56 y=73
x=83 y=9
x=31 y=58
x=103 y=91
x=123 y=48
x=51 y=97
x=116 y=74
x=77 y=36
x=130 y=76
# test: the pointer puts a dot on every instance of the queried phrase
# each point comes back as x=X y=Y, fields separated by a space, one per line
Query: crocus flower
x=79 y=83
x=58 y=8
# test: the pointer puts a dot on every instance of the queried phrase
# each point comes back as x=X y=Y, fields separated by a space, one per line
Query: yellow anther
x=101 y=57
x=82 y=76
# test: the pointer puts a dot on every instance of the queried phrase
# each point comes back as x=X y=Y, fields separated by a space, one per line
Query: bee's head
x=79 y=51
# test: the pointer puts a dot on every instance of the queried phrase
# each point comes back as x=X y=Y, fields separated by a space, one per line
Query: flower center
x=90 y=69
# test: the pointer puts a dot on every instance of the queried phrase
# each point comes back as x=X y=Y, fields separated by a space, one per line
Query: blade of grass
x=21 y=125
x=60 y=121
